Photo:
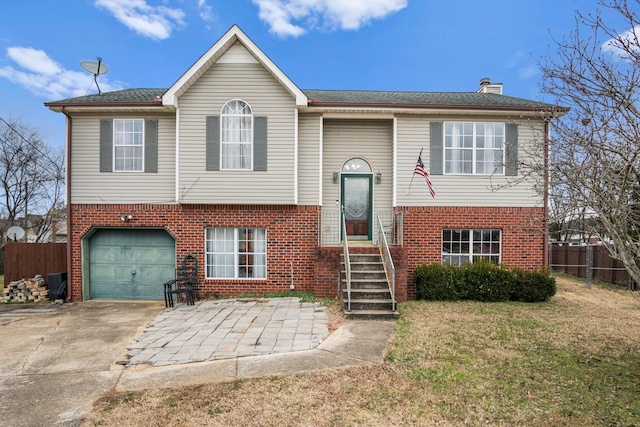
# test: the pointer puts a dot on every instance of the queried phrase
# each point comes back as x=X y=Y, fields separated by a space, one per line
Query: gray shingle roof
x=421 y=98
x=360 y=97
x=126 y=95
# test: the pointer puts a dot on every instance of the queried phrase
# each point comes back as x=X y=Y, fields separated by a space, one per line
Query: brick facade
x=292 y=236
x=522 y=233
x=292 y=240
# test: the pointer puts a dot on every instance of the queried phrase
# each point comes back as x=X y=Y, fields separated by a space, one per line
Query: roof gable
x=217 y=51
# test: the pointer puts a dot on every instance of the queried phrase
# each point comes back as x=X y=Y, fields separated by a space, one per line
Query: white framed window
x=128 y=145
x=236 y=253
x=474 y=148
x=469 y=245
x=236 y=136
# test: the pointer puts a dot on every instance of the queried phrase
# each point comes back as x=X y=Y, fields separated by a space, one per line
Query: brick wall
x=522 y=233
x=292 y=236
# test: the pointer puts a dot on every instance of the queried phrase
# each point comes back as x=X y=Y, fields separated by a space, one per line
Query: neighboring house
x=39 y=228
x=238 y=166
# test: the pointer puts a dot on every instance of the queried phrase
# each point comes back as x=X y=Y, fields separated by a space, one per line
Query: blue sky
x=414 y=45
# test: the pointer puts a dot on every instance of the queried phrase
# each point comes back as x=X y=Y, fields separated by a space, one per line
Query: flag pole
x=414 y=174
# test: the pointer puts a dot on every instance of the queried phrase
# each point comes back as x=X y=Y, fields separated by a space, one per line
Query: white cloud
x=521 y=61
x=44 y=77
x=33 y=60
x=295 y=17
x=623 y=45
x=155 y=22
x=528 y=71
x=206 y=13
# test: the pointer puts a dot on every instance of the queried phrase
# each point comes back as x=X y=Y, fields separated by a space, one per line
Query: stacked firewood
x=32 y=290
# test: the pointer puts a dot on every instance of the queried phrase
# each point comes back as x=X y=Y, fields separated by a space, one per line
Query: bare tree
x=595 y=148
x=31 y=179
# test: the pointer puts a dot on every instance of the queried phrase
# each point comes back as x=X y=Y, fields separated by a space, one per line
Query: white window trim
x=250 y=168
x=113 y=145
x=474 y=150
x=235 y=255
x=470 y=254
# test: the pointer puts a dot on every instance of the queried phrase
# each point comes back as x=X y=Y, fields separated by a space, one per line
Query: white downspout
x=295 y=162
x=320 y=148
x=177 y=155
x=394 y=179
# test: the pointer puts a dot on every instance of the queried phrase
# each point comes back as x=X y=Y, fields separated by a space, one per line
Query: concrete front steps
x=370 y=294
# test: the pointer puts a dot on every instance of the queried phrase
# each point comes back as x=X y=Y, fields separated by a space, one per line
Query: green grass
x=513 y=360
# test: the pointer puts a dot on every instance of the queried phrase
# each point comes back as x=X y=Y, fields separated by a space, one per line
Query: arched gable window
x=236 y=135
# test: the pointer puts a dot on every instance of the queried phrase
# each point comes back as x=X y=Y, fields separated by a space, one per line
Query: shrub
x=482 y=281
x=486 y=281
x=532 y=286
x=436 y=282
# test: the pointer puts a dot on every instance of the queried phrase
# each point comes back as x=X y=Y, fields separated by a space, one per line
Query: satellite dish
x=96 y=68
x=15 y=233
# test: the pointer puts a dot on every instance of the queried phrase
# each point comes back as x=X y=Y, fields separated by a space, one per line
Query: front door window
x=356 y=186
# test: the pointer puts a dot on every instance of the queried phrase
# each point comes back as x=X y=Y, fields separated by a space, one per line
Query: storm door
x=356 y=194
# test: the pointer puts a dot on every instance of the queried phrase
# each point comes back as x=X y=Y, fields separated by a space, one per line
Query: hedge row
x=482 y=281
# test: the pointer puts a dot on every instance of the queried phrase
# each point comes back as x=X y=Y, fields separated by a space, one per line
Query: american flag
x=420 y=170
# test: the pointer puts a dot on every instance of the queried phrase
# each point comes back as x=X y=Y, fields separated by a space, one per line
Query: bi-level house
x=238 y=166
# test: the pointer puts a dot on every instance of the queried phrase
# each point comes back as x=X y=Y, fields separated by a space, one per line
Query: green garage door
x=130 y=264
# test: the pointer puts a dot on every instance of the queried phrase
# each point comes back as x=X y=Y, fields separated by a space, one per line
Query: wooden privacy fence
x=25 y=260
x=591 y=262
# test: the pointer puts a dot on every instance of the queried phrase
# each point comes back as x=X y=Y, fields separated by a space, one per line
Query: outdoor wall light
x=378 y=177
x=335 y=177
x=126 y=218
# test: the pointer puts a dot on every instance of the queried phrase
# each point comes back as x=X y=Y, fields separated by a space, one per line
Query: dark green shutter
x=151 y=146
x=106 y=145
x=436 y=149
x=511 y=149
x=260 y=143
x=213 y=143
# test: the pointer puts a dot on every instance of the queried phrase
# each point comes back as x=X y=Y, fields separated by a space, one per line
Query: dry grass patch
x=574 y=361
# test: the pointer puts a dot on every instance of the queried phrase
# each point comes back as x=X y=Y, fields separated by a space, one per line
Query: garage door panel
x=104 y=271
x=130 y=264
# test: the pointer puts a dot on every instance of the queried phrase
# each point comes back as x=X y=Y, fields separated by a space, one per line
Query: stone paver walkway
x=225 y=329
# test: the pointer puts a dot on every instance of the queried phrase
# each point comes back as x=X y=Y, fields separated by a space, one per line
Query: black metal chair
x=184 y=285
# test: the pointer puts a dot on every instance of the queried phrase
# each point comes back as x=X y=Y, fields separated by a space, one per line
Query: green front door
x=356 y=195
x=130 y=263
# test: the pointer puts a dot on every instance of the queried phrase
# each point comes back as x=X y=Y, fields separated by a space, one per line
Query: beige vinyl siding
x=308 y=161
x=253 y=84
x=367 y=139
x=89 y=185
x=460 y=190
x=237 y=54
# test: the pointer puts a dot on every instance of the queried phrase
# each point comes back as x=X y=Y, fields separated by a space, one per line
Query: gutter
x=56 y=106
x=68 y=197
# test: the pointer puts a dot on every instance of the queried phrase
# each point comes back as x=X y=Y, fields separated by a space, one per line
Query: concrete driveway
x=55 y=360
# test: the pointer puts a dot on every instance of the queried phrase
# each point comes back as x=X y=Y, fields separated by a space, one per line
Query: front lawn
x=573 y=361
